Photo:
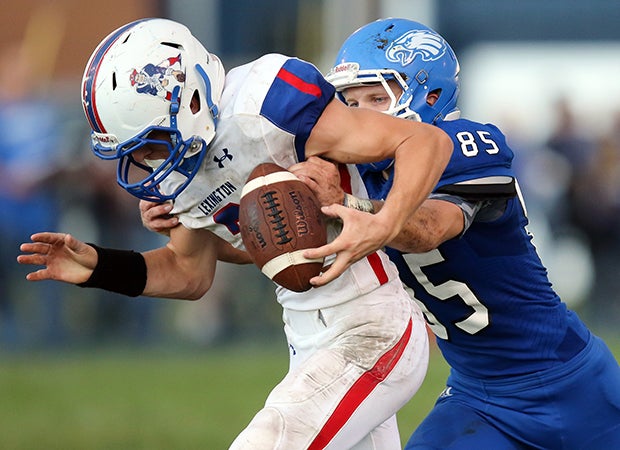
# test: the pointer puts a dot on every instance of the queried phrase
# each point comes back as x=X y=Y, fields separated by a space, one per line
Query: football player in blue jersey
x=525 y=370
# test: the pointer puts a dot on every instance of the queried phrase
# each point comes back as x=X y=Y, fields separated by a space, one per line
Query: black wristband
x=121 y=271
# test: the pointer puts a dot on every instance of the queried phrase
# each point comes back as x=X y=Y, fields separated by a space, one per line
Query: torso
x=486 y=294
x=268 y=109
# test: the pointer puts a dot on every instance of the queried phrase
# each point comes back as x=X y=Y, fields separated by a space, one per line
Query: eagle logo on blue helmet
x=427 y=44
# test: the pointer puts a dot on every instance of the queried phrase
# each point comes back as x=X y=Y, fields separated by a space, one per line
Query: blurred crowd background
x=545 y=72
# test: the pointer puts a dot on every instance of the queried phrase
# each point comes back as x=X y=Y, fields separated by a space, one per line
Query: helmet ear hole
x=195 y=102
x=433 y=96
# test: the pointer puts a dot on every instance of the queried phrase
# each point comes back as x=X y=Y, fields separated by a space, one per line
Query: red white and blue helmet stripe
x=90 y=75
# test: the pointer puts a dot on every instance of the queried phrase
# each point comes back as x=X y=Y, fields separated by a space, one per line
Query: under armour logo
x=220 y=160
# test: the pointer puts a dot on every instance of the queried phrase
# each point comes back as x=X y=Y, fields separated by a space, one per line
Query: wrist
x=120 y=271
x=360 y=204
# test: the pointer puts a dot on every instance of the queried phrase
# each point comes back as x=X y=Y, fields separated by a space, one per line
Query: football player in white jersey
x=358 y=343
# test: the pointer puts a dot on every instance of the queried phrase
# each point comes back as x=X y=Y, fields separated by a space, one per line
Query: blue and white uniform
x=524 y=368
x=359 y=348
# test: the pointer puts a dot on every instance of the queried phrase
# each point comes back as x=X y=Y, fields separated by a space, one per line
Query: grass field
x=150 y=399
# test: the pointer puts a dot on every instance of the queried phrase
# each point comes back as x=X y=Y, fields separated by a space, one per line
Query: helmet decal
x=430 y=46
x=158 y=79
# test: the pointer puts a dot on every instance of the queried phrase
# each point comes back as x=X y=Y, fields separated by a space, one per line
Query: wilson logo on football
x=279 y=218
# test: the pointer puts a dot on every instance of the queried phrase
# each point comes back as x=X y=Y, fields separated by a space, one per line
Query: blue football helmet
x=413 y=55
x=152 y=82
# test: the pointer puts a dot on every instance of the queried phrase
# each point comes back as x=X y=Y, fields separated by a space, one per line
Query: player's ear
x=433 y=96
x=195 y=103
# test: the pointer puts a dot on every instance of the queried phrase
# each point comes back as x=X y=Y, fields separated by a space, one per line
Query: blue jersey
x=486 y=294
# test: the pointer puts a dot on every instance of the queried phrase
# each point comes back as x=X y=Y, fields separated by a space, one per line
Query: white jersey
x=267 y=111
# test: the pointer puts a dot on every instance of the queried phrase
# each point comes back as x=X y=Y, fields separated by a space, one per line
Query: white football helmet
x=143 y=77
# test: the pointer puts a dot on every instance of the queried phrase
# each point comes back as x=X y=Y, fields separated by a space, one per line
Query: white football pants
x=352 y=367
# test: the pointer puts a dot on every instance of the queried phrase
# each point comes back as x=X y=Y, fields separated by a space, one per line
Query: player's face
x=153 y=151
x=372 y=96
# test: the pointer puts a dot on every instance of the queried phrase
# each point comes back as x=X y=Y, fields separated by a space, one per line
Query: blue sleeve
x=296 y=100
x=481 y=162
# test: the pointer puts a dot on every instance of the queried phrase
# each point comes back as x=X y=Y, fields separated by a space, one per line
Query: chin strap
x=175 y=106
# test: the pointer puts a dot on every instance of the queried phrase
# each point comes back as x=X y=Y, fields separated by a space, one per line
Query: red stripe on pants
x=377 y=267
x=360 y=390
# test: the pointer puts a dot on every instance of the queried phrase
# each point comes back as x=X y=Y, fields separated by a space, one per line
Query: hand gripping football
x=280 y=217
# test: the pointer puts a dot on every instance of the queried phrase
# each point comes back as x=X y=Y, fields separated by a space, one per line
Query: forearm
x=415 y=177
x=422 y=232
x=227 y=253
x=174 y=276
x=157 y=273
x=183 y=269
x=433 y=223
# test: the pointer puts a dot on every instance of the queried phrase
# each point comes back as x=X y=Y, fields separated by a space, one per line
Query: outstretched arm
x=183 y=269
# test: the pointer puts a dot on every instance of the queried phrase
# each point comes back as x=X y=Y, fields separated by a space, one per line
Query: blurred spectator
x=578 y=149
x=596 y=211
x=593 y=205
x=30 y=140
x=39 y=171
x=596 y=196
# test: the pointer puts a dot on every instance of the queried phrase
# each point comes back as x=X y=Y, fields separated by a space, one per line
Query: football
x=280 y=217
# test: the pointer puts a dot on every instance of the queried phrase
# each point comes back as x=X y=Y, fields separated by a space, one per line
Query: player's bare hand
x=156 y=217
x=65 y=258
x=362 y=233
x=322 y=177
